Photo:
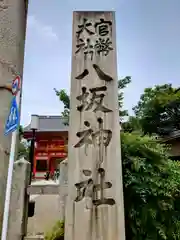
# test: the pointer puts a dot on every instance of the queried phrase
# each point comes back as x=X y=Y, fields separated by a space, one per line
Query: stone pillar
x=18 y=214
x=94 y=208
x=12 y=39
x=63 y=181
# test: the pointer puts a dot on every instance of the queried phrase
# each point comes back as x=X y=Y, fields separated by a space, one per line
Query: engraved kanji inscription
x=86 y=47
x=100 y=187
x=84 y=188
x=83 y=74
x=88 y=137
x=87 y=189
x=85 y=137
x=103 y=46
x=84 y=99
x=95 y=102
x=95 y=44
x=85 y=26
x=3 y=5
x=102 y=136
x=101 y=74
x=103 y=27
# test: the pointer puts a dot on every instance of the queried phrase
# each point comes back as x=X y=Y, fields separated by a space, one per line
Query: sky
x=148 y=48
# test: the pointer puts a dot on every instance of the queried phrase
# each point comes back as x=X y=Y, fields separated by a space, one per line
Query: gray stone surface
x=34 y=238
x=43 y=189
x=84 y=220
x=46 y=214
x=12 y=39
x=63 y=181
x=18 y=204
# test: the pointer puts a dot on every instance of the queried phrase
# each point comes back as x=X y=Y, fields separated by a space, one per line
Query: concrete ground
x=46 y=211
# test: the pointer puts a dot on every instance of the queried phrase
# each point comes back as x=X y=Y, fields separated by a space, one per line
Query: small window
x=41 y=165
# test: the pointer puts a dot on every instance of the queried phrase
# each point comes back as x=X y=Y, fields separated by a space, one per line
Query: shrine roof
x=49 y=124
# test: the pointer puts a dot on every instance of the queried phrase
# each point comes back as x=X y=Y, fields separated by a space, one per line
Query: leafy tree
x=151 y=189
x=131 y=125
x=159 y=110
x=122 y=84
x=151 y=180
x=65 y=99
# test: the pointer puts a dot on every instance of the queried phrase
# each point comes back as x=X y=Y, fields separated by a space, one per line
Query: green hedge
x=151 y=191
x=56 y=233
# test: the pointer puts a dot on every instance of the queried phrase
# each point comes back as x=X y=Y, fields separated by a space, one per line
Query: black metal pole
x=31 y=153
x=31 y=204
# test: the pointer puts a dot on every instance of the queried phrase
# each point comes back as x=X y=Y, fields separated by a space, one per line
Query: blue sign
x=12 y=122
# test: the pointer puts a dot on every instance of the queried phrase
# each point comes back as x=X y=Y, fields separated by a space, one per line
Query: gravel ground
x=46 y=214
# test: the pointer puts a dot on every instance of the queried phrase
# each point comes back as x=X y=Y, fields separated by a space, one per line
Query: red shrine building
x=51 y=139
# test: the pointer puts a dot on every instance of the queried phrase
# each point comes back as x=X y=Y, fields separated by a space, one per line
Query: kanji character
x=86 y=47
x=85 y=137
x=85 y=26
x=96 y=99
x=83 y=74
x=101 y=74
x=100 y=187
x=103 y=27
x=103 y=46
x=97 y=138
x=87 y=189
x=84 y=99
x=102 y=136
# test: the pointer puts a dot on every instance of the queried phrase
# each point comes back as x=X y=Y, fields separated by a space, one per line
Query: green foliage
x=159 y=110
x=131 y=125
x=56 y=233
x=122 y=84
x=151 y=190
x=151 y=180
x=65 y=99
